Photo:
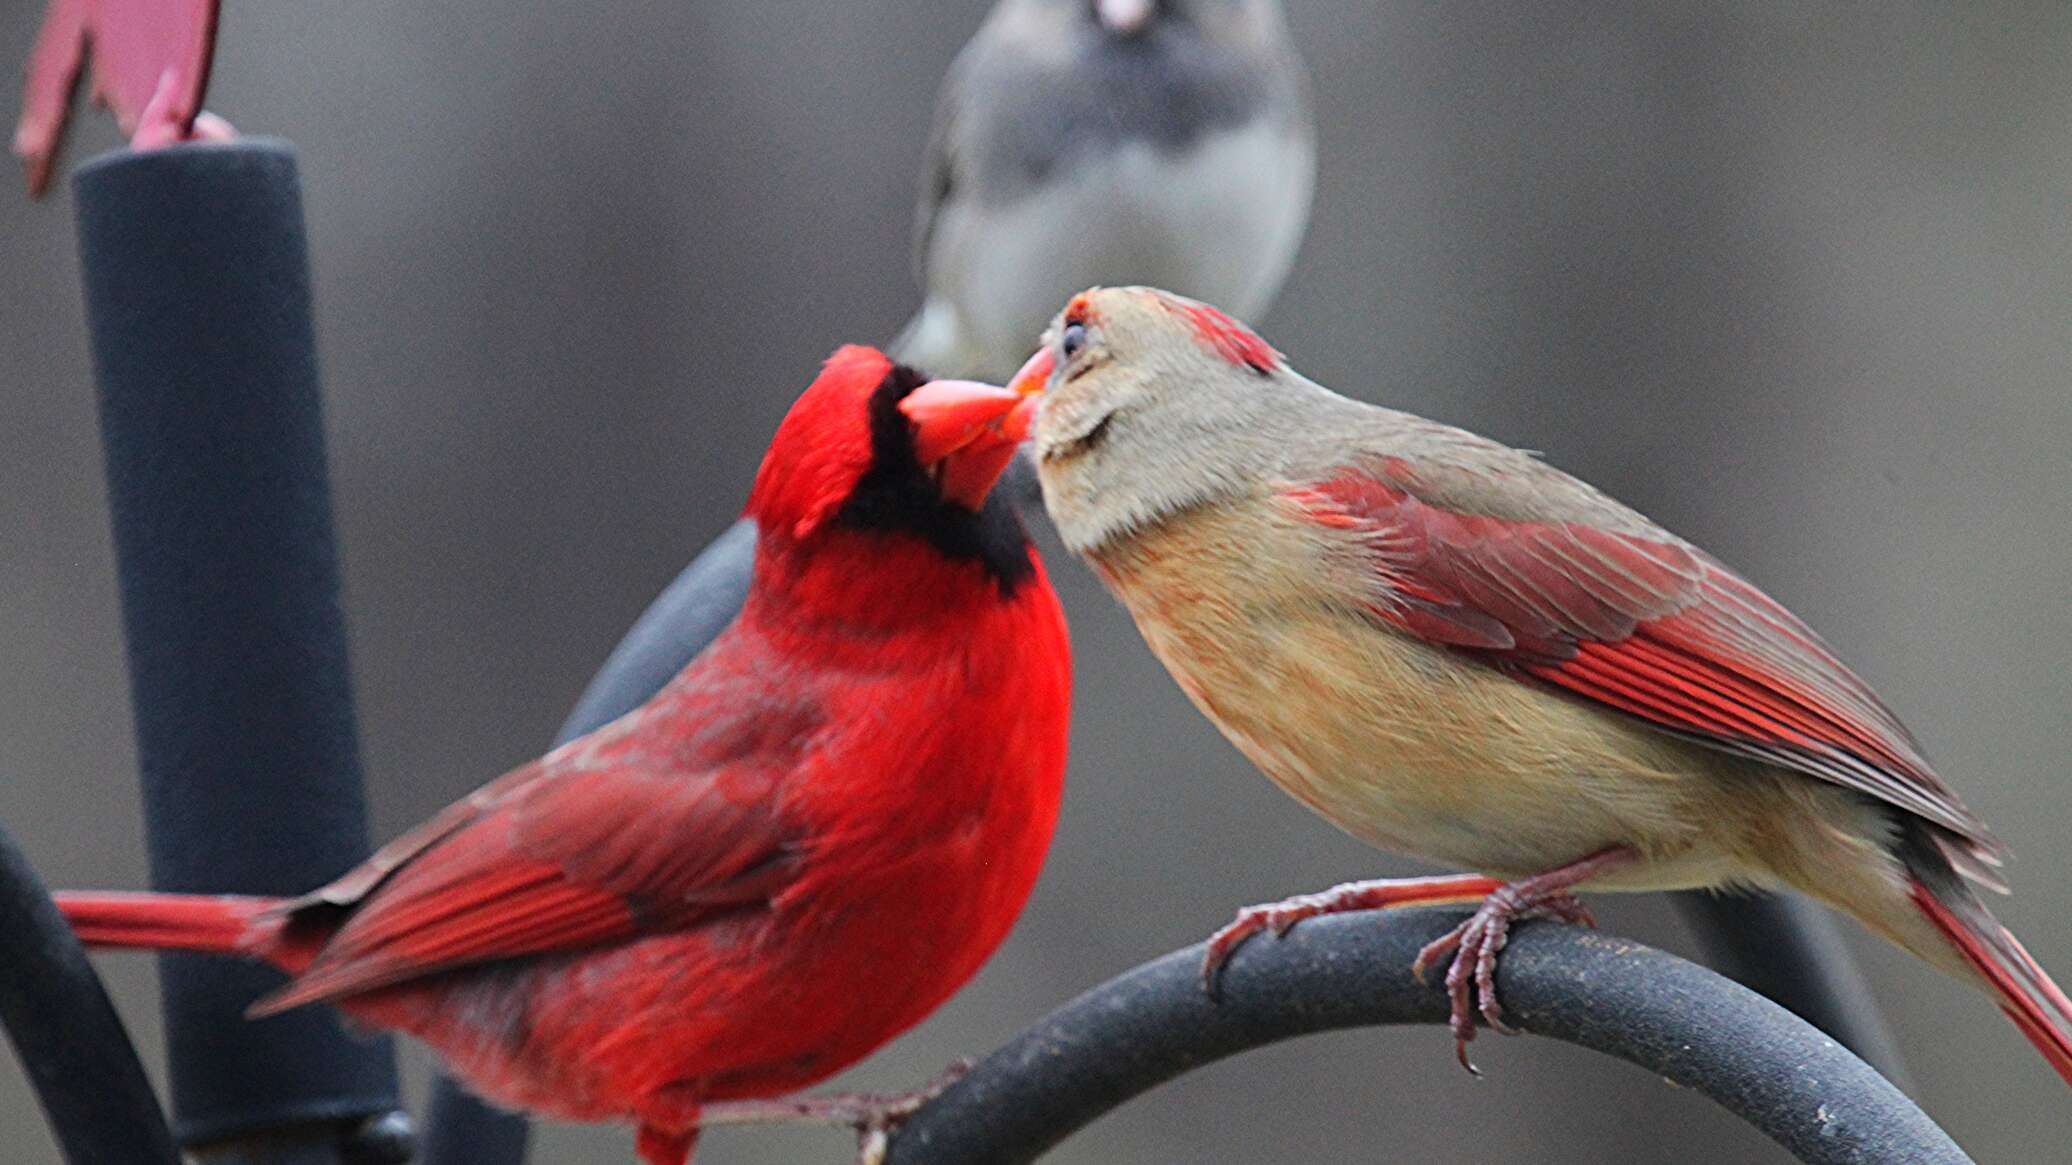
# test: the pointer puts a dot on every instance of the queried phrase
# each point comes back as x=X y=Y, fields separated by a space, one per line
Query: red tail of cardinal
x=2036 y=1005
x=208 y=924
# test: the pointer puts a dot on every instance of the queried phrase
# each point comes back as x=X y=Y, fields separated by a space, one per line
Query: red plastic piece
x=150 y=68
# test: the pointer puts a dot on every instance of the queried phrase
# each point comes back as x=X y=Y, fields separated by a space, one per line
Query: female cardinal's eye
x=1071 y=340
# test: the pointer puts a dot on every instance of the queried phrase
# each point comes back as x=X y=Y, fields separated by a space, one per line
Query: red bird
x=796 y=850
x=1453 y=650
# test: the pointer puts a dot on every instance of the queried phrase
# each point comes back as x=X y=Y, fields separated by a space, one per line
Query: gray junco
x=1083 y=142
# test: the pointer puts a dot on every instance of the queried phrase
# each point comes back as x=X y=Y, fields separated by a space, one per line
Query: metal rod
x=1790 y=951
x=65 y=1031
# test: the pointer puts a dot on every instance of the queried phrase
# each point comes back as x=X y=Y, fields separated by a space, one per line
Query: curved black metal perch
x=1672 y=1017
x=1790 y=951
x=689 y=614
x=66 y=1033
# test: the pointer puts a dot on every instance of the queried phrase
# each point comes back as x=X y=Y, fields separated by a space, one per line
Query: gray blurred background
x=1794 y=278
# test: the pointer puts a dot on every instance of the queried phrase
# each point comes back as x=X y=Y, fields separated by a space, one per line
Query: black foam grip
x=198 y=302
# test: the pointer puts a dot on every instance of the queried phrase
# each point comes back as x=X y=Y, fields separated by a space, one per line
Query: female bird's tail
x=2036 y=1005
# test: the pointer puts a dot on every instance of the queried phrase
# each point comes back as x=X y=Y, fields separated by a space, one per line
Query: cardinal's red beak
x=966 y=432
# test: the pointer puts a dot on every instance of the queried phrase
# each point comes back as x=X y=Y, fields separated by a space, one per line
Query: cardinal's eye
x=1071 y=340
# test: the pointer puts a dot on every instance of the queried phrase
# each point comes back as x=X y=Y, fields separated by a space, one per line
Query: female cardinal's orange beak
x=1034 y=374
x=966 y=432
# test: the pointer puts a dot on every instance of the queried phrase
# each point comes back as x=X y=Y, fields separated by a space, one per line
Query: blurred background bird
x=1083 y=142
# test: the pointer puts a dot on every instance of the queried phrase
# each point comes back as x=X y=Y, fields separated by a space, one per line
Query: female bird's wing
x=1501 y=560
x=626 y=832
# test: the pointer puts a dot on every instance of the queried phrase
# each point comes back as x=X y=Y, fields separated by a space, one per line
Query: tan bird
x=1454 y=651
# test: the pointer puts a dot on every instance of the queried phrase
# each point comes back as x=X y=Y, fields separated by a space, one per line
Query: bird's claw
x=878 y=1116
x=875 y=1116
x=1278 y=917
x=1281 y=917
x=1475 y=945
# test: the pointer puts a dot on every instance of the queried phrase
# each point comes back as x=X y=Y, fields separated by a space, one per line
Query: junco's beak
x=1125 y=17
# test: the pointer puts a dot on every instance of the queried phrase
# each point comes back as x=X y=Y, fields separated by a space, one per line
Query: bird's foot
x=1477 y=941
x=1280 y=917
x=874 y=1132
x=874 y=1115
x=658 y=1146
x=1474 y=945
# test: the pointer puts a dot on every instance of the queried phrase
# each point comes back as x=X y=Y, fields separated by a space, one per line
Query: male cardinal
x=796 y=850
x=1107 y=141
x=1451 y=650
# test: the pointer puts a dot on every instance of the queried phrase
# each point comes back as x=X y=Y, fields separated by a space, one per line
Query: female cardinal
x=797 y=849
x=1451 y=650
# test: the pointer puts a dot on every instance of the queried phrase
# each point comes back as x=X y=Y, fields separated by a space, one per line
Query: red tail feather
x=206 y=923
x=2035 y=1004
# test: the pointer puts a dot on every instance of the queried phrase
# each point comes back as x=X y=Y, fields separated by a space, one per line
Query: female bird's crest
x=1215 y=329
x=1225 y=336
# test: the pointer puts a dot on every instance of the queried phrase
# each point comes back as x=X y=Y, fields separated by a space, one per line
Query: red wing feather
x=586 y=847
x=1642 y=623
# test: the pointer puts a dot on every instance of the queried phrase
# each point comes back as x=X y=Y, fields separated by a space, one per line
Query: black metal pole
x=696 y=607
x=67 y=1035
x=1674 y=1018
x=197 y=294
x=1790 y=951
